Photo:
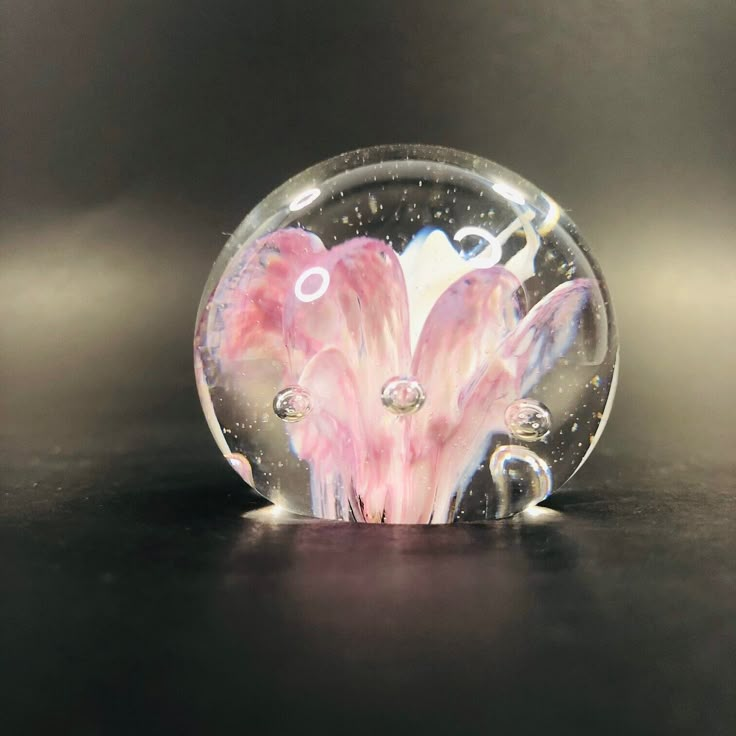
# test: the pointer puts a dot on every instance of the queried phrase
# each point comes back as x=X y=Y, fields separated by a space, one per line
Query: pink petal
x=461 y=335
x=510 y=359
x=331 y=436
x=249 y=302
x=527 y=353
x=357 y=329
x=546 y=333
x=466 y=447
x=457 y=348
x=363 y=311
x=354 y=464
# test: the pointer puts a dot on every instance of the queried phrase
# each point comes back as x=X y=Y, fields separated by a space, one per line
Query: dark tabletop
x=143 y=589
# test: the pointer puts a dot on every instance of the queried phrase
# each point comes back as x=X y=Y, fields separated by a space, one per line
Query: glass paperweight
x=406 y=334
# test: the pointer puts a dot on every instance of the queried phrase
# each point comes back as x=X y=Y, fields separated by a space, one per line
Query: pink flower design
x=341 y=322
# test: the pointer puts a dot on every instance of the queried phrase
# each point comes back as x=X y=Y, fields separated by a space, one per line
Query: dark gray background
x=135 y=597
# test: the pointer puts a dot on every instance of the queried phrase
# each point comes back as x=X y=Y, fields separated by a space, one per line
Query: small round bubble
x=403 y=395
x=528 y=420
x=292 y=404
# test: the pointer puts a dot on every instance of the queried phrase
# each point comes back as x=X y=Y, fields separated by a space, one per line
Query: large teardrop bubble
x=406 y=334
x=521 y=479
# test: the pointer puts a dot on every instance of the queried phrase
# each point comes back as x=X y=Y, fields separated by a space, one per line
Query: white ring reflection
x=311 y=296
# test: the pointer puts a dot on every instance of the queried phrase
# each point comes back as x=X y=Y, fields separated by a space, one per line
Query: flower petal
x=463 y=452
x=249 y=302
x=508 y=362
x=354 y=299
x=526 y=354
x=461 y=335
x=355 y=464
x=545 y=333
x=331 y=438
x=351 y=303
x=457 y=350
x=430 y=264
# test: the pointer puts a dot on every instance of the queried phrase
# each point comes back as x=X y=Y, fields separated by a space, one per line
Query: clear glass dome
x=406 y=334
